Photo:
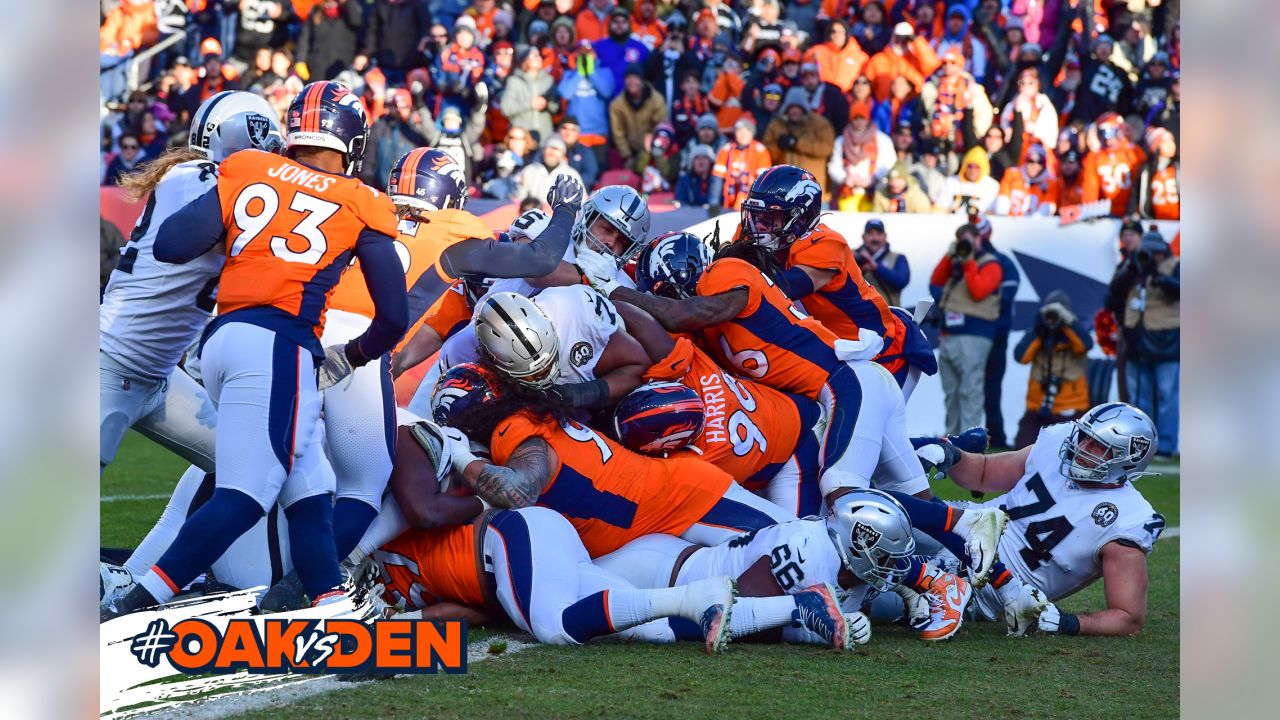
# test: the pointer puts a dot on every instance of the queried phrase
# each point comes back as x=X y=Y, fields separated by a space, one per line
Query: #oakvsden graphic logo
x=266 y=646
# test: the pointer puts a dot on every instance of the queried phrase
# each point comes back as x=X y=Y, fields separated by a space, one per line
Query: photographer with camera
x=1145 y=294
x=966 y=285
x=884 y=269
x=1055 y=348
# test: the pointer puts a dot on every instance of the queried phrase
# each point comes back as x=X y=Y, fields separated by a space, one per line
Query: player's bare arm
x=413 y=484
x=657 y=342
x=622 y=365
x=419 y=347
x=563 y=276
x=1124 y=576
x=996 y=473
x=446 y=610
x=519 y=482
x=689 y=314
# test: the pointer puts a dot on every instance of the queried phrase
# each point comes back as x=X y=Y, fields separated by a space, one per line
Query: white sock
x=801 y=636
x=656 y=631
x=166 y=528
x=628 y=608
x=757 y=614
x=1010 y=590
x=158 y=588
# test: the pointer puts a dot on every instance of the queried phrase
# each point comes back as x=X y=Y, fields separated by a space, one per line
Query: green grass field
x=979 y=673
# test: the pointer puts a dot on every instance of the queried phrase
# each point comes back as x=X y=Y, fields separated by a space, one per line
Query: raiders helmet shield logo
x=1138 y=446
x=865 y=537
x=1105 y=514
x=581 y=354
x=259 y=127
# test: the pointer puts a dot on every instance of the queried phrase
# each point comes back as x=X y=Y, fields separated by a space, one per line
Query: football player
x=429 y=191
x=610 y=494
x=751 y=326
x=782 y=213
x=292 y=225
x=1075 y=516
x=863 y=548
x=152 y=311
x=452 y=311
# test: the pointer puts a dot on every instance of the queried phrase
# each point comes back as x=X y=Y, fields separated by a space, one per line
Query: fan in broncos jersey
x=1075 y=516
x=152 y=311
x=863 y=548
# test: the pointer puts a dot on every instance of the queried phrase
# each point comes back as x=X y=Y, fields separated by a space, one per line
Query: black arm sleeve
x=483 y=256
x=384 y=277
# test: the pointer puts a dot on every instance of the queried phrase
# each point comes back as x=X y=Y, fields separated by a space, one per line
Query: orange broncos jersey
x=1020 y=196
x=451 y=312
x=738 y=411
x=1108 y=174
x=291 y=232
x=847 y=302
x=770 y=340
x=425 y=567
x=1165 y=204
x=739 y=167
x=419 y=244
x=610 y=494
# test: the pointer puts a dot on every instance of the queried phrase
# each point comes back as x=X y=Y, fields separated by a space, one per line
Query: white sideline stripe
x=222 y=706
x=1172 y=532
x=118 y=498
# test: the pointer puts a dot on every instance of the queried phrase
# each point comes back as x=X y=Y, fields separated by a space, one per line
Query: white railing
x=135 y=64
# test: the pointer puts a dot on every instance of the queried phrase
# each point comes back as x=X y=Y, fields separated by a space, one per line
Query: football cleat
x=113 y=582
x=287 y=594
x=947 y=595
x=709 y=603
x=818 y=611
x=1022 y=612
x=981 y=529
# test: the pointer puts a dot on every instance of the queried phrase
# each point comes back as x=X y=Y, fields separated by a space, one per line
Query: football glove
x=600 y=272
x=1055 y=622
x=859 y=628
x=939 y=456
x=566 y=191
x=459 y=448
x=335 y=368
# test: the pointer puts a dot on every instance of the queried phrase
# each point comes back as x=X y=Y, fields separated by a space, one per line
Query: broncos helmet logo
x=806 y=190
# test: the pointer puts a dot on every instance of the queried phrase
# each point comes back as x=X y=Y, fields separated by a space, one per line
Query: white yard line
x=119 y=498
x=1172 y=532
x=275 y=696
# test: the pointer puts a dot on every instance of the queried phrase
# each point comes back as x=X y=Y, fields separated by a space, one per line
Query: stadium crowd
x=1006 y=107
x=973 y=107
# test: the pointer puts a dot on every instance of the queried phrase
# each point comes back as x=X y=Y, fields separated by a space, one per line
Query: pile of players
x=712 y=445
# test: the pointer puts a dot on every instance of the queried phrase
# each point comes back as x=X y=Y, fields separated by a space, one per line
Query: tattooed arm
x=689 y=314
x=519 y=482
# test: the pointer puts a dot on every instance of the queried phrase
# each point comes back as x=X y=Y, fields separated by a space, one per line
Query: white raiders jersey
x=152 y=311
x=800 y=554
x=1057 y=528
x=584 y=321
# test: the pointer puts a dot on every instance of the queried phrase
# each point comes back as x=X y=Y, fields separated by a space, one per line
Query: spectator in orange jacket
x=906 y=55
x=725 y=97
x=1109 y=170
x=1030 y=189
x=739 y=163
x=840 y=58
x=130 y=26
x=645 y=25
x=593 y=21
